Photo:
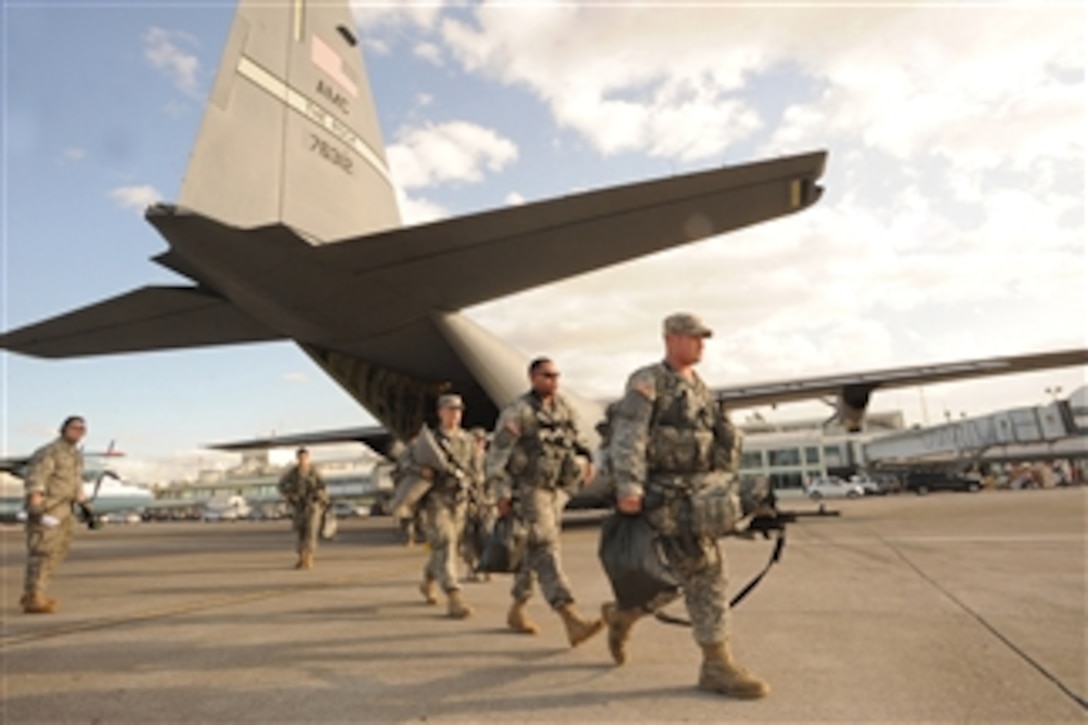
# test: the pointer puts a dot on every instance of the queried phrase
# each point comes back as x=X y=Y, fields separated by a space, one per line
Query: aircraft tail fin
x=290 y=133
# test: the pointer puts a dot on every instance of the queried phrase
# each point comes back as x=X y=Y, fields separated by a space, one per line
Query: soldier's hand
x=587 y=472
x=630 y=505
x=505 y=506
x=427 y=473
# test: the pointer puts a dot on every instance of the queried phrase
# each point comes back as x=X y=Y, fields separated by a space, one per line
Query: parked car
x=868 y=485
x=922 y=482
x=833 y=487
x=346 y=510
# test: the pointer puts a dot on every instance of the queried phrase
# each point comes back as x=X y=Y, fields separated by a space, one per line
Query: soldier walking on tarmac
x=670 y=439
x=452 y=469
x=305 y=492
x=536 y=456
x=54 y=483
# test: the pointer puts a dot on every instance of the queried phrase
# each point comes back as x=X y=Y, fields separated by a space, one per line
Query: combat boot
x=305 y=560
x=35 y=603
x=427 y=589
x=578 y=629
x=720 y=673
x=456 y=607
x=620 y=622
x=518 y=619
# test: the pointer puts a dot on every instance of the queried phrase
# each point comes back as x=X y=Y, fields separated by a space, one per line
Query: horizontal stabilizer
x=149 y=318
x=459 y=262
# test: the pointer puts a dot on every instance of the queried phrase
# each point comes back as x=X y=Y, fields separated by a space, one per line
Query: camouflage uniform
x=444 y=505
x=56 y=472
x=479 y=520
x=532 y=459
x=412 y=527
x=671 y=434
x=305 y=492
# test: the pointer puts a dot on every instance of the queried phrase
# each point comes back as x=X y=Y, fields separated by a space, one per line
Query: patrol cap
x=450 y=401
x=683 y=323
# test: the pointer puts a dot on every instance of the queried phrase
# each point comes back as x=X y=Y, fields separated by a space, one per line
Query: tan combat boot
x=305 y=560
x=427 y=589
x=620 y=622
x=578 y=629
x=35 y=603
x=721 y=673
x=456 y=607
x=518 y=620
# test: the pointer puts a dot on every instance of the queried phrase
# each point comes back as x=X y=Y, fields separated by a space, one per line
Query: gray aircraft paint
x=290 y=114
x=268 y=187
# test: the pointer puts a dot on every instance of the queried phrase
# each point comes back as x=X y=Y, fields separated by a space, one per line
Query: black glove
x=88 y=515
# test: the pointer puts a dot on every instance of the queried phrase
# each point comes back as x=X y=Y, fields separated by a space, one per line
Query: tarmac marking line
x=1075 y=697
x=14 y=640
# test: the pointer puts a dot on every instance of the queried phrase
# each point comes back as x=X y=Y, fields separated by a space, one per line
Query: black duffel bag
x=505 y=547
x=633 y=562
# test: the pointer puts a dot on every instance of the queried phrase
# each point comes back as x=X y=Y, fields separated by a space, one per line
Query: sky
x=951 y=227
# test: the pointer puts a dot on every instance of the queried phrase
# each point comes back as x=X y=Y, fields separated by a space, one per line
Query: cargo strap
x=776 y=554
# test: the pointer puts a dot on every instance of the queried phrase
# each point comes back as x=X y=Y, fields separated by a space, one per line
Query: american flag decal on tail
x=328 y=60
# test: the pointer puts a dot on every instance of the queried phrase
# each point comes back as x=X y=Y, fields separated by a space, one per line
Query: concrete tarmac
x=943 y=608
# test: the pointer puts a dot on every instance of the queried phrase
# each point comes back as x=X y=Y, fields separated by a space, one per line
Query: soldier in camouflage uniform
x=536 y=455
x=305 y=492
x=54 y=483
x=411 y=527
x=670 y=439
x=479 y=515
x=444 y=504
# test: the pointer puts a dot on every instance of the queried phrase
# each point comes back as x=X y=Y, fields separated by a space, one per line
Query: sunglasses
x=549 y=375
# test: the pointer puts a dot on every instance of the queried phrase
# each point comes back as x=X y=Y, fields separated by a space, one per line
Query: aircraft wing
x=149 y=318
x=742 y=396
x=375 y=436
x=13 y=466
x=459 y=262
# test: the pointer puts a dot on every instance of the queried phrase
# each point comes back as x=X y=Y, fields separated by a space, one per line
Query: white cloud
x=682 y=84
x=428 y=52
x=453 y=151
x=162 y=51
x=404 y=13
x=414 y=210
x=514 y=199
x=295 y=378
x=135 y=197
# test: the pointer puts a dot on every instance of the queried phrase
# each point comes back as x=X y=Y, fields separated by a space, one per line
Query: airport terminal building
x=791 y=453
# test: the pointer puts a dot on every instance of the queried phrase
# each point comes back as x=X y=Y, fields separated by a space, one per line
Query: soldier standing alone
x=536 y=454
x=54 y=483
x=305 y=492
x=444 y=505
x=670 y=439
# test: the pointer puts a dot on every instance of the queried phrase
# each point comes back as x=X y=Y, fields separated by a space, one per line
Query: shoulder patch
x=643 y=383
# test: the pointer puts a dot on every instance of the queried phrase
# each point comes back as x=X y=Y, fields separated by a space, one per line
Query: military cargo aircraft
x=287 y=226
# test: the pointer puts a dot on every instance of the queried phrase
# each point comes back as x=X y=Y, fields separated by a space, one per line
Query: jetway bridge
x=1045 y=432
